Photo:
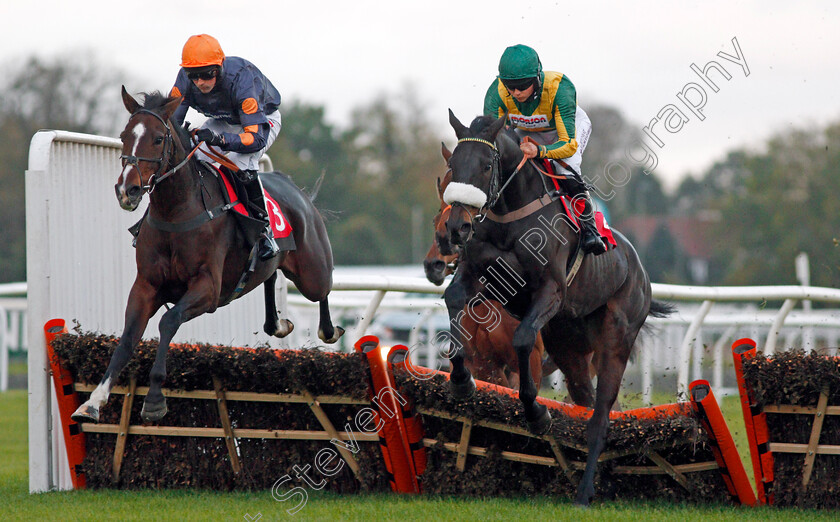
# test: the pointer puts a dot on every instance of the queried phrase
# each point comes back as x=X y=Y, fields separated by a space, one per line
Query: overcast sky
x=635 y=56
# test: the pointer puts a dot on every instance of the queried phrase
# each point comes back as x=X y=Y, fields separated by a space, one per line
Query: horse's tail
x=660 y=309
x=317 y=188
x=326 y=215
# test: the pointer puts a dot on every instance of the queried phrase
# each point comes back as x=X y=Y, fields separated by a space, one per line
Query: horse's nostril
x=465 y=228
x=439 y=265
x=134 y=191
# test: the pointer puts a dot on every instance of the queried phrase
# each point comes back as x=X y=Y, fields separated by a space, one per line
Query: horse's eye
x=489 y=166
x=158 y=140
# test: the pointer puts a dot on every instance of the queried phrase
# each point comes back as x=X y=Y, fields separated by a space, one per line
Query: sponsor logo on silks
x=535 y=121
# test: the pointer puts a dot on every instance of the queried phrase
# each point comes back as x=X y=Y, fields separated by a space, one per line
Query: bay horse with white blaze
x=526 y=257
x=199 y=263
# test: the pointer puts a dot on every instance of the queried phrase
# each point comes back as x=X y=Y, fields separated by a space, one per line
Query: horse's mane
x=482 y=122
x=155 y=100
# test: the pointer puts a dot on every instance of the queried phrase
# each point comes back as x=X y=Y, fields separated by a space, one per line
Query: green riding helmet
x=519 y=62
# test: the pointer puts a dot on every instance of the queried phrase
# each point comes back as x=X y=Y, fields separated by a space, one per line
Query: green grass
x=185 y=505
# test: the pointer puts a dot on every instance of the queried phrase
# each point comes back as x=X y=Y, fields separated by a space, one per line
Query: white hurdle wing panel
x=80 y=267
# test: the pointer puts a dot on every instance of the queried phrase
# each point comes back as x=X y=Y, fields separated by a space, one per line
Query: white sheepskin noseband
x=465 y=194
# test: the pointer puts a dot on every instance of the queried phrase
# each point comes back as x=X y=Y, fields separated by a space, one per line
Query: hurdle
x=791 y=406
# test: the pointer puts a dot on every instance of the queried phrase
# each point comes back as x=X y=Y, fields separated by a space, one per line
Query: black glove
x=210 y=137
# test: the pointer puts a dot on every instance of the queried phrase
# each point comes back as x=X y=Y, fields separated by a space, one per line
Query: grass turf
x=185 y=505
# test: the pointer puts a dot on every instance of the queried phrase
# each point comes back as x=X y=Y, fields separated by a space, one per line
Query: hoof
x=86 y=413
x=541 y=424
x=153 y=412
x=463 y=390
x=337 y=333
x=284 y=328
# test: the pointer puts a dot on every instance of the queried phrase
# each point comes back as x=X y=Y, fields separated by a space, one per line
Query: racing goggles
x=203 y=75
x=520 y=84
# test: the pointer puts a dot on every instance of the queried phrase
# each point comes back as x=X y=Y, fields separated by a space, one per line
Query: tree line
x=379 y=170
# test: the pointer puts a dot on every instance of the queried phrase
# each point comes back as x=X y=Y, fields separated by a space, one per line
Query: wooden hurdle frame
x=703 y=404
x=74 y=432
x=226 y=432
x=762 y=448
x=401 y=439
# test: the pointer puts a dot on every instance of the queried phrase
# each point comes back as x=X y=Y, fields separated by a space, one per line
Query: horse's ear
x=445 y=152
x=496 y=126
x=440 y=192
x=170 y=106
x=130 y=103
x=460 y=130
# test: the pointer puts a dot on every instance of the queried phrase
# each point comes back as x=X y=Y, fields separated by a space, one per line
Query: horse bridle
x=168 y=147
x=495 y=174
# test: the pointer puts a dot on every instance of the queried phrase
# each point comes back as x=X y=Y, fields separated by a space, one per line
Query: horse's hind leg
x=273 y=325
x=328 y=332
x=571 y=352
x=141 y=306
x=614 y=336
x=310 y=269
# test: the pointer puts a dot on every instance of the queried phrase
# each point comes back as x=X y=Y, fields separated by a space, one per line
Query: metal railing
x=364 y=296
x=722 y=326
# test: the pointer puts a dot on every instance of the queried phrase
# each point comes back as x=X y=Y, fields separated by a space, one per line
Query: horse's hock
x=247 y=418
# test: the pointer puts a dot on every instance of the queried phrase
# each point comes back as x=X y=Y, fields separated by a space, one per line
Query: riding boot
x=268 y=247
x=591 y=241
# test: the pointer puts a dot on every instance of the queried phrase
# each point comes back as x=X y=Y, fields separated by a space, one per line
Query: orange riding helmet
x=202 y=50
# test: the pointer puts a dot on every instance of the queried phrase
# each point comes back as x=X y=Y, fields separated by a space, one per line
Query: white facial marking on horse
x=139 y=130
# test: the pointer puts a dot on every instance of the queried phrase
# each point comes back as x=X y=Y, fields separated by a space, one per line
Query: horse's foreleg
x=199 y=298
x=461 y=383
x=274 y=325
x=141 y=306
x=543 y=307
x=327 y=332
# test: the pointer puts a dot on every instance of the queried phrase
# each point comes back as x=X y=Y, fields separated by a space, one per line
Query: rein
x=496 y=191
x=157 y=177
x=220 y=158
x=574 y=263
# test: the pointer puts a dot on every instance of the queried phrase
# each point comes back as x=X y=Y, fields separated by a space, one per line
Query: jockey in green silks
x=543 y=105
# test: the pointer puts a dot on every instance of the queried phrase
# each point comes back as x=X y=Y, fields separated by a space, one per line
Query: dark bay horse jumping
x=516 y=249
x=200 y=267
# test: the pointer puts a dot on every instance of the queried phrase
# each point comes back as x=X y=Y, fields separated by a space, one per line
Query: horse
x=199 y=263
x=521 y=241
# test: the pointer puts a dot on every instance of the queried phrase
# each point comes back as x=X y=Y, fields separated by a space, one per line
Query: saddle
x=234 y=191
x=600 y=221
x=601 y=224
